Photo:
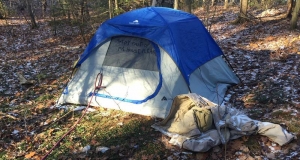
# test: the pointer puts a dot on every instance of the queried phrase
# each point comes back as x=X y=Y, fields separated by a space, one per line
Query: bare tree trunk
x=44 y=7
x=226 y=4
x=290 y=7
x=87 y=12
x=116 y=10
x=187 y=6
x=153 y=3
x=176 y=4
x=212 y=2
x=84 y=11
x=244 y=7
x=32 y=18
x=54 y=20
x=65 y=6
x=2 y=10
x=73 y=10
x=243 y=12
x=206 y=9
x=110 y=8
x=116 y=5
x=295 y=15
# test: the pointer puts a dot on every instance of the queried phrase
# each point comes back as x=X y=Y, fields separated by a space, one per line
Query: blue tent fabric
x=180 y=34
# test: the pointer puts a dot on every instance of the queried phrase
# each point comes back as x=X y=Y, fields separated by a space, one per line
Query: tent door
x=131 y=70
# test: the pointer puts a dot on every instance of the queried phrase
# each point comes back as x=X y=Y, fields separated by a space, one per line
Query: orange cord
x=97 y=87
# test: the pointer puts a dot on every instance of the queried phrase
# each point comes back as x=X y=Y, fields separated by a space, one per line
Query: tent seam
x=172 y=38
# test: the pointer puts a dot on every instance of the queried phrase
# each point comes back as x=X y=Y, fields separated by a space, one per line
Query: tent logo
x=134 y=22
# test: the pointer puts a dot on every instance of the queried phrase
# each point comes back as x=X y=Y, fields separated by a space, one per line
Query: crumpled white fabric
x=275 y=132
x=241 y=125
x=230 y=123
x=202 y=143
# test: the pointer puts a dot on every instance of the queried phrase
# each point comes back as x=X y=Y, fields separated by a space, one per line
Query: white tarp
x=229 y=123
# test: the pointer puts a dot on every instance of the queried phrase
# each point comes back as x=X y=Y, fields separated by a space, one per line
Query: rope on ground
x=97 y=86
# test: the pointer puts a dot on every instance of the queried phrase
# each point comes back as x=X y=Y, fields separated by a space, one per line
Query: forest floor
x=264 y=54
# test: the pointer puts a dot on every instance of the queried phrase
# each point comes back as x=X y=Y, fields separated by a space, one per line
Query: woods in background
x=83 y=12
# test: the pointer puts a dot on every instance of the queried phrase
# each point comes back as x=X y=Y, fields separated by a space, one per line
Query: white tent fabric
x=128 y=81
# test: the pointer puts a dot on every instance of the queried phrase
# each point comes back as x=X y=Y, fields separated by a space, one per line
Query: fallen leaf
x=30 y=155
x=269 y=38
x=17 y=94
x=37 y=157
x=50 y=132
x=40 y=106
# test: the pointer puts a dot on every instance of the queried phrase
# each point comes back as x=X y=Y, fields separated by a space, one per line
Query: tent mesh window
x=131 y=52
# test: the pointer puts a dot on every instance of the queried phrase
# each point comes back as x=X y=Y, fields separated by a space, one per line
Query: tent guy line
x=97 y=86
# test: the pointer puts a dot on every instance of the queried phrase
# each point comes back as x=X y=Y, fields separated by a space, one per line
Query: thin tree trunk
x=2 y=14
x=212 y=2
x=153 y=3
x=290 y=7
x=116 y=5
x=110 y=8
x=44 y=7
x=176 y=4
x=295 y=15
x=54 y=24
x=243 y=12
x=32 y=18
x=244 y=7
x=84 y=11
x=87 y=12
x=65 y=6
x=72 y=10
x=226 y=4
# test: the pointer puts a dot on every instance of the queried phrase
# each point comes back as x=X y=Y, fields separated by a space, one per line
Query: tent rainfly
x=147 y=57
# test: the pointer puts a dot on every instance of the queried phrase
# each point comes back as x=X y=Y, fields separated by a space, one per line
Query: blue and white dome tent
x=147 y=57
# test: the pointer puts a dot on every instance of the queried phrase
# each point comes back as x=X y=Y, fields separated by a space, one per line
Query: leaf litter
x=265 y=55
